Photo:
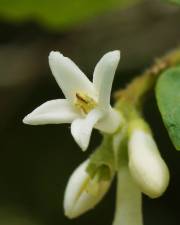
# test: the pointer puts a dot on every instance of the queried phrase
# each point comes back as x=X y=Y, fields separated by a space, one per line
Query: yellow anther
x=84 y=102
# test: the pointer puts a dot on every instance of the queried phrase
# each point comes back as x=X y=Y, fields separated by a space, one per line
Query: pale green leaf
x=168 y=99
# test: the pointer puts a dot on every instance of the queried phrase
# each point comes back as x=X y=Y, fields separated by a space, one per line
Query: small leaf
x=168 y=99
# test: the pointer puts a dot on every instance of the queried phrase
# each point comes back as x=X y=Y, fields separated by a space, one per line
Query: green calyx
x=102 y=162
x=138 y=124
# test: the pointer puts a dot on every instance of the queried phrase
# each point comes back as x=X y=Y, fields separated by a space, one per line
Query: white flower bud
x=83 y=193
x=146 y=165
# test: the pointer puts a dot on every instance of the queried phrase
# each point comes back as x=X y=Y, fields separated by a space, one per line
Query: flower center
x=84 y=102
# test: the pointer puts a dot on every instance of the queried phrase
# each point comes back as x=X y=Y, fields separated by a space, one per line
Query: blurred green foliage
x=176 y=1
x=168 y=99
x=173 y=1
x=60 y=14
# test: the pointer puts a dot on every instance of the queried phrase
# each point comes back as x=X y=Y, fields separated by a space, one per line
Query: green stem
x=141 y=85
x=129 y=200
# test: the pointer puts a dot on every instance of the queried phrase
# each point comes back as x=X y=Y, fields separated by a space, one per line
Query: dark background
x=35 y=162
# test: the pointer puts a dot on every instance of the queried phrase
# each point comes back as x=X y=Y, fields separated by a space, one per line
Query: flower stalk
x=142 y=85
x=128 y=201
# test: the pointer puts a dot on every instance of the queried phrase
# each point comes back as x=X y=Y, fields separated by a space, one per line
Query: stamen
x=84 y=102
x=79 y=97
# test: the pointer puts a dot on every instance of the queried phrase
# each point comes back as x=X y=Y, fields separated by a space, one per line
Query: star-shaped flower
x=87 y=103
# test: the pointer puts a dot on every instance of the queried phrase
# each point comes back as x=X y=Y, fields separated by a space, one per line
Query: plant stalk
x=129 y=200
x=142 y=85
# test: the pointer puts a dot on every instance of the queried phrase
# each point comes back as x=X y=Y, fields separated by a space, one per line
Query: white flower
x=146 y=164
x=87 y=104
x=83 y=193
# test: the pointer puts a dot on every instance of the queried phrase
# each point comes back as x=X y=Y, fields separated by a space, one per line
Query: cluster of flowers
x=87 y=106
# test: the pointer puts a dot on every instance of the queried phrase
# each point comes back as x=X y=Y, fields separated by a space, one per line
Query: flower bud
x=83 y=192
x=146 y=164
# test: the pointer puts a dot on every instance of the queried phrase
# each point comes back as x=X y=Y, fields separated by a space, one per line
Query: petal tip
x=116 y=54
x=112 y=57
x=69 y=214
x=26 y=120
x=82 y=144
x=29 y=120
x=81 y=139
x=54 y=55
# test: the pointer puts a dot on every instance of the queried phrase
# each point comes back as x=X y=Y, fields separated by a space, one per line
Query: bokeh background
x=35 y=162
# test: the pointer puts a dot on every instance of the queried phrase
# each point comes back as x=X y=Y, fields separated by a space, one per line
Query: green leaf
x=168 y=99
x=59 y=14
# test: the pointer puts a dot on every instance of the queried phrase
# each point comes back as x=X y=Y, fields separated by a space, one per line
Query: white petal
x=146 y=165
x=110 y=122
x=103 y=76
x=68 y=76
x=77 y=199
x=52 y=112
x=81 y=128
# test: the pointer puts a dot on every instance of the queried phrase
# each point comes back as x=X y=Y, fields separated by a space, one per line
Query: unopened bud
x=83 y=192
x=146 y=164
